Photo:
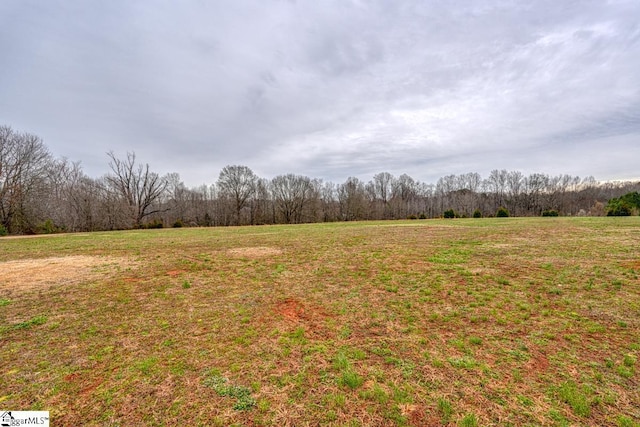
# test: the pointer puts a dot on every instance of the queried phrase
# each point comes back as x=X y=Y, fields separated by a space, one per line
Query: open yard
x=422 y=323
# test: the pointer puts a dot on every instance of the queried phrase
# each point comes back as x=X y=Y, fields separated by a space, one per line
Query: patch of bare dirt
x=29 y=274
x=538 y=364
x=296 y=312
x=291 y=309
x=634 y=265
x=174 y=273
x=255 y=251
x=31 y=236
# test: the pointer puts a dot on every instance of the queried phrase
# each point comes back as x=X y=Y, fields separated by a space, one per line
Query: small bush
x=156 y=223
x=625 y=205
x=502 y=212
x=619 y=209
x=477 y=213
x=550 y=212
x=412 y=217
x=3 y=230
x=48 y=227
x=449 y=213
x=178 y=223
x=422 y=216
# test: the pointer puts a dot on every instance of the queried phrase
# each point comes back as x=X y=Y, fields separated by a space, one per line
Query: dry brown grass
x=40 y=273
x=254 y=252
x=371 y=324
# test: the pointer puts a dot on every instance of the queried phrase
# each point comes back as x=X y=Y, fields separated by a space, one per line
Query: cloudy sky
x=328 y=89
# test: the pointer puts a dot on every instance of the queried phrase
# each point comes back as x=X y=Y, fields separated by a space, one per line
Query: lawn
x=466 y=322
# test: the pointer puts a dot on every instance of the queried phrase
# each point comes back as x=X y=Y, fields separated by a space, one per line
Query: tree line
x=43 y=194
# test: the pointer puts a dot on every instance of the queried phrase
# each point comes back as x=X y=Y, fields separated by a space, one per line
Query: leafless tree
x=262 y=209
x=291 y=193
x=23 y=163
x=352 y=199
x=381 y=190
x=137 y=185
x=238 y=183
x=496 y=184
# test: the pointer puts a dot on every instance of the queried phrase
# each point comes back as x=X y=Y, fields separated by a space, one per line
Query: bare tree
x=291 y=193
x=237 y=183
x=24 y=160
x=381 y=189
x=137 y=185
x=404 y=194
x=262 y=209
x=497 y=184
x=328 y=193
x=352 y=199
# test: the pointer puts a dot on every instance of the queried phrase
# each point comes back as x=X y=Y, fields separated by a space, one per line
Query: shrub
x=550 y=212
x=624 y=205
x=178 y=223
x=449 y=213
x=618 y=209
x=3 y=230
x=502 y=212
x=477 y=213
x=412 y=217
x=156 y=223
x=48 y=227
x=422 y=216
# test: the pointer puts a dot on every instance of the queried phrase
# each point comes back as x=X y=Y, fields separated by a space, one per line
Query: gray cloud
x=328 y=89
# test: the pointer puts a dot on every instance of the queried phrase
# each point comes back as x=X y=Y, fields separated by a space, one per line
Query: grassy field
x=462 y=322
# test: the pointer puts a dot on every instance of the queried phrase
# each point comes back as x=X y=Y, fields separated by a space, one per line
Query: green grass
x=576 y=398
x=522 y=321
x=223 y=387
x=35 y=321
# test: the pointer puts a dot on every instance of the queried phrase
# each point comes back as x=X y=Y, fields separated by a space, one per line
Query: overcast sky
x=328 y=89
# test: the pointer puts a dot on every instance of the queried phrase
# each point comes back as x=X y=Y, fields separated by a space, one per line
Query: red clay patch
x=297 y=312
x=174 y=273
x=634 y=265
x=538 y=363
x=91 y=387
x=291 y=309
x=71 y=377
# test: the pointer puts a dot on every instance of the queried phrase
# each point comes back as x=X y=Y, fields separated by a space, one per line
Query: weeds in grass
x=384 y=324
x=475 y=340
x=147 y=366
x=560 y=420
x=469 y=420
x=629 y=360
x=464 y=362
x=446 y=410
x=625 y=371
x=624 y=421
x=575 y=397
x=35 y=321
x=350 y=379
x=223 y=387
x=376 y=394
